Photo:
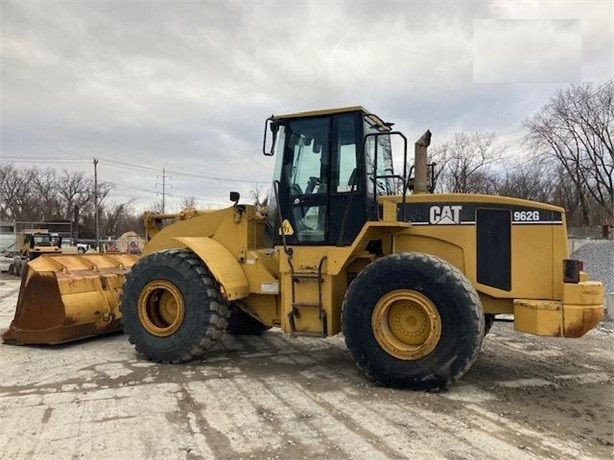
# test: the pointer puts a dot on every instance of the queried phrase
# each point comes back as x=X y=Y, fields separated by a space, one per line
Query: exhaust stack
x=421 y=181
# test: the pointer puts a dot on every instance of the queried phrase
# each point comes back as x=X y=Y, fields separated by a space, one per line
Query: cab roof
x=316 y=113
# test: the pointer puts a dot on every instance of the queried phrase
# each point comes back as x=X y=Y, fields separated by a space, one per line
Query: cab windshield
x=42 y=240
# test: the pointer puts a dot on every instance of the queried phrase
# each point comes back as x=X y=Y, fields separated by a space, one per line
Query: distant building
x=8 y=236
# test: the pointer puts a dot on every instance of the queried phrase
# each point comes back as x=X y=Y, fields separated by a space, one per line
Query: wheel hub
x=406 y=324
x=161 y=308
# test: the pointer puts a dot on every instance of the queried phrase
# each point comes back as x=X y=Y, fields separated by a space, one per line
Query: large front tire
x=413 y=321
x=172 y=309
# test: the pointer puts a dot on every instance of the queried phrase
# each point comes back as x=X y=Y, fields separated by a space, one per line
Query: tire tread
x=430 y=265
x=201 y=280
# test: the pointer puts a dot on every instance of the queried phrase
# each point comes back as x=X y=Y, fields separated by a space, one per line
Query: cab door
x=321 y=192
x=305 y=179
x=347 y=207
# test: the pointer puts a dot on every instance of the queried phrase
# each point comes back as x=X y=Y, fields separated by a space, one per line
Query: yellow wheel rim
x=161 y=308
x=406 y=324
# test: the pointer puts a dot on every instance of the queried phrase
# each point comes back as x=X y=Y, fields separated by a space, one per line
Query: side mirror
x=234 y=197
x=272 y=126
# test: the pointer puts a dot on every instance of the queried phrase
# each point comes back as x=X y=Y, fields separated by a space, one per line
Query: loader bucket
x=68 y=297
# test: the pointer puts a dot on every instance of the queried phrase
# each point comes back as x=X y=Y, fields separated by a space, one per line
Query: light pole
x=96 y=202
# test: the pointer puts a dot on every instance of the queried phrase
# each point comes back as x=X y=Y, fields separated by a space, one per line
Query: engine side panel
x=510 y=248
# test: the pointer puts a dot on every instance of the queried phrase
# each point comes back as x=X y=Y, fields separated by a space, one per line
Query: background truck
x=33 y=243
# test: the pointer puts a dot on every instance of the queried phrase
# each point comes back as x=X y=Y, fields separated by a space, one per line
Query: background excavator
x=413 y=279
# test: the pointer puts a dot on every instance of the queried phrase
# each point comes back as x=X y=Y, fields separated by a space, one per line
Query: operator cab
x=331 y=165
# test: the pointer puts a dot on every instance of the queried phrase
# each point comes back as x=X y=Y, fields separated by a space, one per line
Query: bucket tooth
x=69 y=297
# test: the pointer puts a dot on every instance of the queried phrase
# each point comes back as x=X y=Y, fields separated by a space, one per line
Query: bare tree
x=260 y=198
x=33 y=195
x=76 y=190
x=117 y=218
x=45 y=189
x=575 y=130
x=531 y=181
x=568 y=197
x=188 y=203
x=84 y=210
x=464 y=163
x=15 y=193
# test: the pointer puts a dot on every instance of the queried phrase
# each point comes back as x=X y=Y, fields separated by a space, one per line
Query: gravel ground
x=598 y=257
x=274 y=397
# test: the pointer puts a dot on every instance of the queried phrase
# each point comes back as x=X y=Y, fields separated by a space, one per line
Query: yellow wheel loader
x=34 y=243
x=413 y=279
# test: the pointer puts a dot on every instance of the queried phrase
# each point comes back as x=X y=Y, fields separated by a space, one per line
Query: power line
x=225 y=179
x=130 y=187
x=130 y=165
x=185 y=174
x=173 y=195
x=103 y=161
x=44 y=159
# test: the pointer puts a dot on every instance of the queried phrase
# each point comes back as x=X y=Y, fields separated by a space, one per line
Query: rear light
x=571 y=270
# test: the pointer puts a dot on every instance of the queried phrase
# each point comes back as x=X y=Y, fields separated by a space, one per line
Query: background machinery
x=413 y=279
x=32 y=244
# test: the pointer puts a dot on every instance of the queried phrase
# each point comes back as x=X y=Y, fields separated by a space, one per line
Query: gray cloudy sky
x=187 y=86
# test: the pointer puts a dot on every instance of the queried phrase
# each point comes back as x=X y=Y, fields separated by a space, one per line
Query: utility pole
x=163 y=188
x=96 y=202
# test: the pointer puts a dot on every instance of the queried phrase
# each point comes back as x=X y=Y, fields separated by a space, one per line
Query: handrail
x=287 y=250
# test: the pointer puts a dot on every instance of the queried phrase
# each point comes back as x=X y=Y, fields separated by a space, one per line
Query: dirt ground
x=283 y=398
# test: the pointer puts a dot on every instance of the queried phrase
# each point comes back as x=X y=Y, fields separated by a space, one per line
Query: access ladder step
x=307 y=334
x=306 y=304
x=307 y=276
x=296 y=314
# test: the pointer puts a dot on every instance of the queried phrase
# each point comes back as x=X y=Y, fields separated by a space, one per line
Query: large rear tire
x=242 y=323
x=413 y=321
x=172 y=309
